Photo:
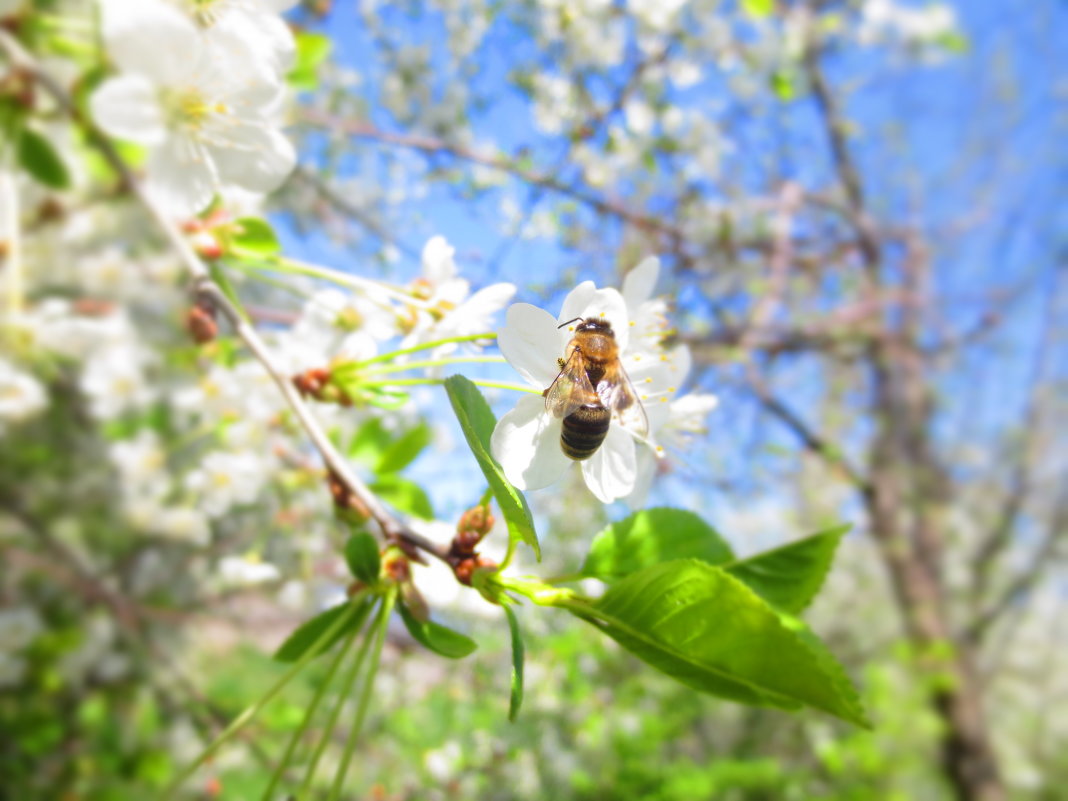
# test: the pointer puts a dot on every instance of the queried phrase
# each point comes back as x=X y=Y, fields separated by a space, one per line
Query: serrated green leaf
x=312 y=51
x=40 y=159
x=403 y=450
x=706 y=629
x=363 y=558
x=254 y=235
x=477 y=422
x=650 y=537
x=437 y=638
x=790 y=576
x=404 y=495
x=518 y=656
x=308 y=633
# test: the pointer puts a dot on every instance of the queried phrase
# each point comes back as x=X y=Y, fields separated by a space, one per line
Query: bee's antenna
x=569 y=322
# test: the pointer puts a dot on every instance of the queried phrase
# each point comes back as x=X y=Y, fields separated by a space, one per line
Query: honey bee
x=591 y=387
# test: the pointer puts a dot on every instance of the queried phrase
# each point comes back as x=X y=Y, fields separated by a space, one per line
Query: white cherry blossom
x=21 y=395
x=526 y=440
x=254 y=23
x=198 y=102
x=224 y=480
x=113 y=381
x=446 y=307
x=241 y=572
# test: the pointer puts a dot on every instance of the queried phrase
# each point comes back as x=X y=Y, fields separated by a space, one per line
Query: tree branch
x=204 y=286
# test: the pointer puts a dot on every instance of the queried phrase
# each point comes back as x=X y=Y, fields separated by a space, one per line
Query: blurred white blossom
x=241 y=572
x=224 y=480
x=21 y=395
x=196 y=99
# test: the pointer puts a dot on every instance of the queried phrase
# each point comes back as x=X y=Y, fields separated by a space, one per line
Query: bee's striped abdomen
x=584 y=430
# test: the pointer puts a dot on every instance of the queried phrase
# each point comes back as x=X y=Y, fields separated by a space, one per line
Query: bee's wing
x=617 y=393
x=571 y=389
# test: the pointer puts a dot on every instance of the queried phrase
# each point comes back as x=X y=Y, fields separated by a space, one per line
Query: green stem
x=346 y=691
x=541 y=593
x=365 y=697
x=412 y=382
x=320 y=692
x=385 y=357
x=241 y=720
x=400 y=368
x=295 y=267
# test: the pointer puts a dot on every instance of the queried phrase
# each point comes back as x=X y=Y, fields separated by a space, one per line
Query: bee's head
x=599 y=324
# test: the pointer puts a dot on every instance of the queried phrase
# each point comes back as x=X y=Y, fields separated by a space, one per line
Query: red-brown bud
x=201 y=325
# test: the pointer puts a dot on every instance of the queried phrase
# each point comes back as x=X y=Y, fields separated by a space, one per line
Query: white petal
x=577 y=300
x=531 y=343
x=181 y=177
x=151 y=38
x=526 y=442
x=608 y=304
x=639 y=283
x=647 y=464
x=612 y=472
x=267 y=40
x=262 y=160
x=438 y=264
x=473 y=315
x=127 y=107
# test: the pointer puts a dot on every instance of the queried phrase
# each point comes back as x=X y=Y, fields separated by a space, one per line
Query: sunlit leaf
x=437 y=638
x=369 y=441
x=790 y=576
x=312 y=51
x=703 y=627
x=650 y=537
x=404 y=495
x=254 y=235
x=758 y=8
x=403 y=450
x=477 y=422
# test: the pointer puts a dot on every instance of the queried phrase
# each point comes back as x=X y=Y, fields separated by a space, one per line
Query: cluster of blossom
x=888 y=20
x=526 y=440
x=202 y=86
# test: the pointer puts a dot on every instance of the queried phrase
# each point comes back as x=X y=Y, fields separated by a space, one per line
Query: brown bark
x=906 y=500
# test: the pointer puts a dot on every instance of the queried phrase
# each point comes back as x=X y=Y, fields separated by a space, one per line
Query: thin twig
x=204 y=286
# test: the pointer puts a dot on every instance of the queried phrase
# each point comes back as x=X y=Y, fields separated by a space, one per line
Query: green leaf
x=40 y=159
x=364 y=560
x=306 y=634
x=784 y=83
x=516 y=700
x=650 y=537
x=709 y=631
x=312 y=50
x=477 y=422
x=758 y=8
x=255 y=236
x=404 y=495
x=790 y=576
x=403 y=450
x=369 y=441
x=436 y=637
